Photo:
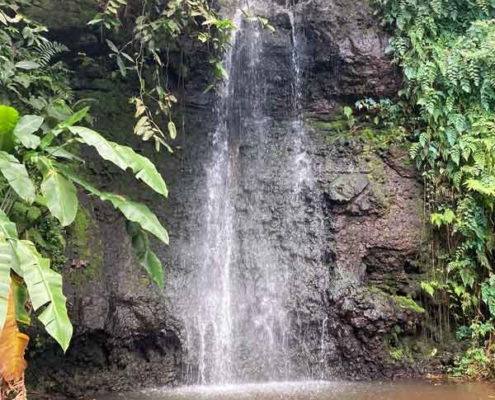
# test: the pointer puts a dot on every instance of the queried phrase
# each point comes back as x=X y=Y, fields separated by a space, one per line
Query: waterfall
x=237 y=320
x=302 y=163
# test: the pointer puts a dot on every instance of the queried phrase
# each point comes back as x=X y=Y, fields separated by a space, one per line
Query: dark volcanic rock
x=345 y=53
x=347 y=187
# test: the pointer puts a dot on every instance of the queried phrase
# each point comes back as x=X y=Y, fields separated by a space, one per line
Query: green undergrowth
x=446 y=112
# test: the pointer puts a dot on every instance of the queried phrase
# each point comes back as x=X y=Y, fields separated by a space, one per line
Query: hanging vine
x=158 y=26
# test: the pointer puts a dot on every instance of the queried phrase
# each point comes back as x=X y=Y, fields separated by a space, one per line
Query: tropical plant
x=40 y=170
x=44 y=154
x=445 y=49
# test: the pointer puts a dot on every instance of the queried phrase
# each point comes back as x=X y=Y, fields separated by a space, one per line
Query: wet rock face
x=349 y=245
x=346 y=50
x=342 y=53
x=347 y=187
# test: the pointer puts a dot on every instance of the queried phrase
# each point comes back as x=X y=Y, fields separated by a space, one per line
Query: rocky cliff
x=352 y=272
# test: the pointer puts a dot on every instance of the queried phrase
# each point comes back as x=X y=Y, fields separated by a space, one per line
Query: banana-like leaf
x=45 y=289
x=61 y=197
x=17 y=176
x=135 y=212
x=139 y=213
x=25 y=128
x=8 y=234
x=124 y=157
x=13 y=345
x=5 y=263
x=147 y=259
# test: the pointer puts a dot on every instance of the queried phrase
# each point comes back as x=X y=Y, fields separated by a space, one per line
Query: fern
x=46 y=51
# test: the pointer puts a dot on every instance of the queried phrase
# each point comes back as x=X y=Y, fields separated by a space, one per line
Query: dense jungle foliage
x=446 y=107
x=42 y=128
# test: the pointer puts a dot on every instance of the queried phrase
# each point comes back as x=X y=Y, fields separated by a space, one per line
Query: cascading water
x=237 y=320
x=302 y=164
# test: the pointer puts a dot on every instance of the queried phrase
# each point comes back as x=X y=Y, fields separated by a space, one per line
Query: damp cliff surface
x=323 y=261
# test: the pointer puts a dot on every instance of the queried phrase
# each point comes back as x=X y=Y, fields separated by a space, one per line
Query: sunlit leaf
x=61 y=197
x=124 y=157
x=25 y=128
x=45 y=289
x=17 y=176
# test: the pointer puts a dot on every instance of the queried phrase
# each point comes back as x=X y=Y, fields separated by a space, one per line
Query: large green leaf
x=61 y=197
x=139 y=213
x=17 y=176
x=144 y=169
x=45 y=289
x=124 y=157
x=8 y=234
x=147 y=259
x=8 y=120
x=8 y=230
x=5 y=263
x=135 y=212
x=25 y=128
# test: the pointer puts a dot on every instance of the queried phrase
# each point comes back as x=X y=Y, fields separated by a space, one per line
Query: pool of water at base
x=402 y=390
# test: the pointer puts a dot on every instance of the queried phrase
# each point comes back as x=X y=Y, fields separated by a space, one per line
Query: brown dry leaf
x=13 y=345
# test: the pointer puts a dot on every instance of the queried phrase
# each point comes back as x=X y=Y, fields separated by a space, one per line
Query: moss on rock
x=86 y=248
x=407 y=303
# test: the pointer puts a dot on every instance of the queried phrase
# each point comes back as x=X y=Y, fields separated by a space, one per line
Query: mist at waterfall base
x=408 y=390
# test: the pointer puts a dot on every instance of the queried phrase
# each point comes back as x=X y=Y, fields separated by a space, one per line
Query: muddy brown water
x=409 y=390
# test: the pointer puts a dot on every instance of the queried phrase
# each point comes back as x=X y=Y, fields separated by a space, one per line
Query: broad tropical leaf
x=139 y=213
x=25 y=128
x=13 y=345
x=45 y=289
x=8 y=119
x=17 y=176
x=61 y=197
x=8 y=230
x=147 y=259
x=135 y=212
x=5 y=263
x=144 y=169
x=124 y=157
